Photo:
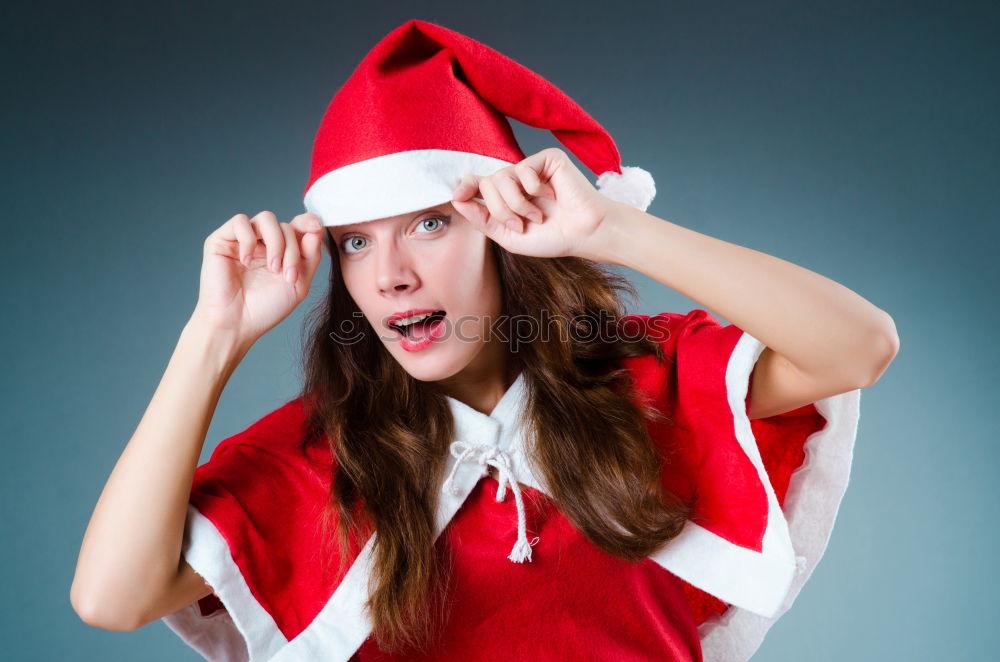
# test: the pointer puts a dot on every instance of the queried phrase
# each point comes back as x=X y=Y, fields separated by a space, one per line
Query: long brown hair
x=389 y=435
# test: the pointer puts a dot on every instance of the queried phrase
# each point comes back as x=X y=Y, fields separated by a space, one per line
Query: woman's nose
x=393 y=272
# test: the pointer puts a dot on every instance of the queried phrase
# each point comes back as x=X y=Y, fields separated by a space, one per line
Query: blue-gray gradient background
x=858 y=140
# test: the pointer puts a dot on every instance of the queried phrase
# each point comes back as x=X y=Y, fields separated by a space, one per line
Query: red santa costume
x=425 y=106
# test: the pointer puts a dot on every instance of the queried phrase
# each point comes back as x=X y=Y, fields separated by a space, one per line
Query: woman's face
x=431 y=261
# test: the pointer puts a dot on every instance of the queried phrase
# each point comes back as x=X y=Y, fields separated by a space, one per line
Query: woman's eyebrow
x=430 y=210
x=340 y=230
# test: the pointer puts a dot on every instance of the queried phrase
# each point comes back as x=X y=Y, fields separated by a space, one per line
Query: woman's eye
x=435 y=221
x=353 y=242
x=430 y=224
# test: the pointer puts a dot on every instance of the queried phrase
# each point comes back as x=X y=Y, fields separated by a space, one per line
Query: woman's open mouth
x=417 y=332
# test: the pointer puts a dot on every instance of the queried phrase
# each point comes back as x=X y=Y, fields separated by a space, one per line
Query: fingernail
x=246 y=260
x=274 y=265
x=290 y=274
x=512 y=226
x=533 y=215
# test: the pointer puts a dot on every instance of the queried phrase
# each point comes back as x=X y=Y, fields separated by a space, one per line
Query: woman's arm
x=130 y=570
x=821 y=338
x=130 y=560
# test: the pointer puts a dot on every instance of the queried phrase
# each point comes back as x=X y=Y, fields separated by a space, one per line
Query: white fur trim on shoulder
x=812 y=500
x=244 y=631
x=745 y=578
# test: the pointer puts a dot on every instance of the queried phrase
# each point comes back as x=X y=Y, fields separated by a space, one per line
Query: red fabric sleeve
x=254 y=533
x=690 y=387
x=765 y=492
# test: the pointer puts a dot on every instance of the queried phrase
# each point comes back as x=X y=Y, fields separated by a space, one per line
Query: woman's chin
x=432 y=364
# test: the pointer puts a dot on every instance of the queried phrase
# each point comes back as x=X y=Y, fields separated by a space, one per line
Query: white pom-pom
x=634 y=186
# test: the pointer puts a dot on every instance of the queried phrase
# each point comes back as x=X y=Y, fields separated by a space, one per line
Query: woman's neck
x=482 y=386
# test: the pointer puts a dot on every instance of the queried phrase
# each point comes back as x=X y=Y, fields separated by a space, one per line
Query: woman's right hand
x=255 y=271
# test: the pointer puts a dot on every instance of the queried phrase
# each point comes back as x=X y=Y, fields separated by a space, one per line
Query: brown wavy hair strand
x=389 y=435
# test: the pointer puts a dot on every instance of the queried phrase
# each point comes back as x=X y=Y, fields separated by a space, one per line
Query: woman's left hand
x=569 y=210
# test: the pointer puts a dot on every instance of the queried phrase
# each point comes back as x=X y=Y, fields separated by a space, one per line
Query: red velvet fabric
x=702 y=456
x=266 y=500
x=424 y=86
x=572 y=601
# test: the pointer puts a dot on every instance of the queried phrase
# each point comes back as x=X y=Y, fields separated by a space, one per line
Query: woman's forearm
x=817 y=324
x=132 y=545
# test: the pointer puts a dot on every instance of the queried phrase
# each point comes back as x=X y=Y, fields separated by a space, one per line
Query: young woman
x=489 y=459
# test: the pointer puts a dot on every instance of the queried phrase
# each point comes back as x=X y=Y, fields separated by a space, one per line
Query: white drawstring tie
x=492 y=456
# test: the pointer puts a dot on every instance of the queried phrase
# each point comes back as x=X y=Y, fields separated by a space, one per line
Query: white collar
x=482 y=441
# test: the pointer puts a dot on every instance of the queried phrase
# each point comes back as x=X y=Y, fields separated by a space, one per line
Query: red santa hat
x=427 y=105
